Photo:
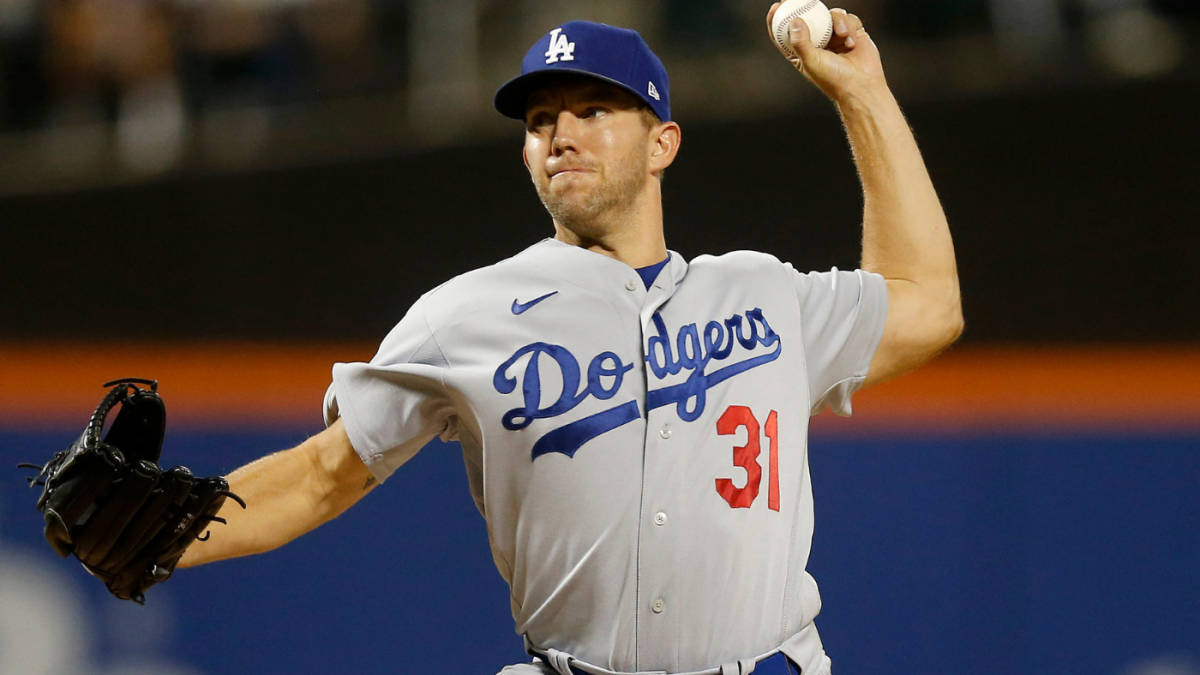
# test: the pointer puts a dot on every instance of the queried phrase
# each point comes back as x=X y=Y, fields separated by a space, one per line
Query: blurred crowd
x=65 y=60
x=145 y=69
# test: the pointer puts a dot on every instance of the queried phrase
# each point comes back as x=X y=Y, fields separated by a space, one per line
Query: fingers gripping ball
x=106 y=500
x=813 y=12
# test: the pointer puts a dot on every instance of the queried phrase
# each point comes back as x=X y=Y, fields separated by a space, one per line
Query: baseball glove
x=106 y=500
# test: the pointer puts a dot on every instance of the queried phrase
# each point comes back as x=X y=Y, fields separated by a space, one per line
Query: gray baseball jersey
x=640 y=455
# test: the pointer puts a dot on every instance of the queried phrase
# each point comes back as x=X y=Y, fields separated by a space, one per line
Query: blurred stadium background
x=230 y=195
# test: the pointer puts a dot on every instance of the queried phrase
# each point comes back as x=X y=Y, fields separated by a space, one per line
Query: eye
x=592 y=112
x=537 y=120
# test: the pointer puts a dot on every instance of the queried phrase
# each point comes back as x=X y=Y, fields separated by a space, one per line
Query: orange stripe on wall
x=209 y=384
x=1106 y=388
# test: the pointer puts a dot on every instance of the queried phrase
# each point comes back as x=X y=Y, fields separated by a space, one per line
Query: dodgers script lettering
x=692 y=350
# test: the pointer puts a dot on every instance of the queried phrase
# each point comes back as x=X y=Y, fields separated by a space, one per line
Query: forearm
x=287 y=494
x=905 y=233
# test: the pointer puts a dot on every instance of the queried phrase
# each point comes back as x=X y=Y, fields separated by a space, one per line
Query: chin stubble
x=582 y=213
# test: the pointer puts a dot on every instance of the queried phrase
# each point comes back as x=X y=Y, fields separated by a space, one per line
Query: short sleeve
x=395 y=404
x=842 y=320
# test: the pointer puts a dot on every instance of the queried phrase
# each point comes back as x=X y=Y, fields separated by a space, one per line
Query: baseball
x=814 y=13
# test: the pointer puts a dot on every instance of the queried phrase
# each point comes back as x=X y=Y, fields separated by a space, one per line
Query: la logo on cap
x=560 y=48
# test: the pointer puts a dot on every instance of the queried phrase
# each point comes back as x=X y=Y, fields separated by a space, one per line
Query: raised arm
x=906 y=238
x=287 y=494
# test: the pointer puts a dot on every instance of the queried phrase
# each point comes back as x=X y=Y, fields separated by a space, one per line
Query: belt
x=775 y=664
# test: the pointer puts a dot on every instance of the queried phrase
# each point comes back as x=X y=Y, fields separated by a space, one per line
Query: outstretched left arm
x=905 y=234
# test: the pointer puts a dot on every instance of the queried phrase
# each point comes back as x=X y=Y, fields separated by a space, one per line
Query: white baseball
x=814 y=13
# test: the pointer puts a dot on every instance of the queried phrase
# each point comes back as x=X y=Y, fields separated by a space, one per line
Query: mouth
x=567 y=172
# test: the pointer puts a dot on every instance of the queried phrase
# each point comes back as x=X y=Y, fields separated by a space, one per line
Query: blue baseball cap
x=618 y=56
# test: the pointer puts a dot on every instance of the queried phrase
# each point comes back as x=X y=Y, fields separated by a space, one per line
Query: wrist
x=865 y=99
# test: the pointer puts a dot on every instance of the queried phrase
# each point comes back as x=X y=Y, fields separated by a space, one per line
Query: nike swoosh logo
x=521 y=307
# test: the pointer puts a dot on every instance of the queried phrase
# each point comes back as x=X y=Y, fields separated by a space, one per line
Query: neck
x=634 y=236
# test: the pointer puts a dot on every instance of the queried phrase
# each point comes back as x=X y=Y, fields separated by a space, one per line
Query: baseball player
x=635 y=425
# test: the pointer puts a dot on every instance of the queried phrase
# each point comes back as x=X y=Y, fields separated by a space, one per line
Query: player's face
x=586 y=147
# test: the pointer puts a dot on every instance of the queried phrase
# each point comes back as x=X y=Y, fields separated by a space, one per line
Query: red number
x=773 y=434
x=745 y=456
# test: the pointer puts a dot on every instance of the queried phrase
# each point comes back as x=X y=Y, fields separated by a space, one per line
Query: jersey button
x=658 y=605
x=631 y=285
x=665 y=432
x=660 y=518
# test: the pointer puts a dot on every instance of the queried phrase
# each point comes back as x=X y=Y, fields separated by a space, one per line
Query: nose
x=566 y=130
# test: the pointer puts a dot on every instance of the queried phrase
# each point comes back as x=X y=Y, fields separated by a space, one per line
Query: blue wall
x=1036 y=553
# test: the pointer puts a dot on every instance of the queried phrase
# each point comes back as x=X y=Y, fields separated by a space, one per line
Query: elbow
x=940 y=330
x=942 y=323
x=952 y=324
x=957 y=325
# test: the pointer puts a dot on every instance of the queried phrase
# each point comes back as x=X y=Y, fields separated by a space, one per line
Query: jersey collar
x=599 y=272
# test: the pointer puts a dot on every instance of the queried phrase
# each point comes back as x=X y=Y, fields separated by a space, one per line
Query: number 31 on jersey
x=738 y=417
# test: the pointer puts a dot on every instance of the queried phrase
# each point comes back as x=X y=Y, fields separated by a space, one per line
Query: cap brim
x=512 y=95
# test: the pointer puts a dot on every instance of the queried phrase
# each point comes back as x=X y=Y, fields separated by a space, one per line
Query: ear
x=664 y=145
x=525 y=157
